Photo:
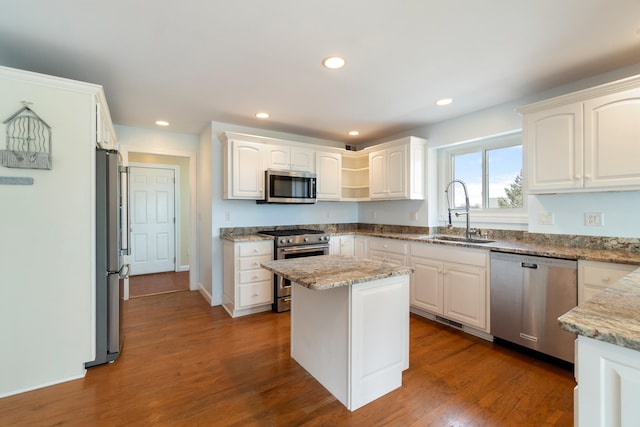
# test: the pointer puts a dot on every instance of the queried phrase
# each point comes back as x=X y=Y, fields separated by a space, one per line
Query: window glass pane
x=505 y=177
x=468 y=168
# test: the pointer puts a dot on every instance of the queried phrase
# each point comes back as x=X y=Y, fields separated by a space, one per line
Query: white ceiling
x=193 y=61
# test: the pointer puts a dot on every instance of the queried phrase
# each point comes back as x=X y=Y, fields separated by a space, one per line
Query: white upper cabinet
x=329 y=175
x=242 y=169
x=612 y=140
x=285 y=157
x=586 y=141
x=105 y=133
x=397 y=170
x=390 y=171
x=553 y=144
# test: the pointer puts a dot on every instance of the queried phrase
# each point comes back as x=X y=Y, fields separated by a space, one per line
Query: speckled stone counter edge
x=333 y=271
x=612 y=315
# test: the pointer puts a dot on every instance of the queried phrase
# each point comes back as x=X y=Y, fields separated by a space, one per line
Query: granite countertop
x=518 y=247
x=511 y=246
x=611 y=316
x=332 y=271
x=246 y=237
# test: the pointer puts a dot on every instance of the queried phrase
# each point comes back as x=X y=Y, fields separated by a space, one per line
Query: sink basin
x=461 y=239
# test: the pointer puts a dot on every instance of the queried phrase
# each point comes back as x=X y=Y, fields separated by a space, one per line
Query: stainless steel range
x=295 y=243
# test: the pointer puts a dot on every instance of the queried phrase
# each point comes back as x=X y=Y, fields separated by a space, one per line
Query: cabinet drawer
x=256 y=294
x=256 y=275
x=251 y=263
x=388 y=245
x=477 y=257
x=604 y=276
x=256 y=248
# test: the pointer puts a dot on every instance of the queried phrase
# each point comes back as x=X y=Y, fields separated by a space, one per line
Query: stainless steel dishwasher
x=528 y=294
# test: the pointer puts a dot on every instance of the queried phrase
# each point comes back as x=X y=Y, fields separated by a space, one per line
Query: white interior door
x=152 y=216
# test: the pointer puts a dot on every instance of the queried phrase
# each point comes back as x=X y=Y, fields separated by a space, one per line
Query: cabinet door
x=465 y=295
x=612 y=133
x=427 y=285
x=553 y=146
x=347 y=246
x=278 y=157
x=397 y=172
x=377 y=174
x=303 y=159
x=329 y=171
x=247 y=171
x=361 y=247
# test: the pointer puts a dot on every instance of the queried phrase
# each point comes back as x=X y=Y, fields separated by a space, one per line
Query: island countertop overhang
x=332 y=271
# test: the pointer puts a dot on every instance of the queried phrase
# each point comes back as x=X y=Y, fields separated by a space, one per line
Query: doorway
x=161 y=221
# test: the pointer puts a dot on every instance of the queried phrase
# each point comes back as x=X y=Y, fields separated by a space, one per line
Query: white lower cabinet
x=389 y=250
x=342 y=245
x=361 y=249
x=594 y=277
x=247 y=287
x=452 y=283
x=608 y=384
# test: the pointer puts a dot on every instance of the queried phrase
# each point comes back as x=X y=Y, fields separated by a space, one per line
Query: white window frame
x=493 y=216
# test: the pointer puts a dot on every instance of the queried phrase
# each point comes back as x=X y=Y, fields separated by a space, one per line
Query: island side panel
x=380 y=338
x=319 y=336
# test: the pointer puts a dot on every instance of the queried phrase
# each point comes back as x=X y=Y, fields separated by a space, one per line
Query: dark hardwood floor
x=185 y=363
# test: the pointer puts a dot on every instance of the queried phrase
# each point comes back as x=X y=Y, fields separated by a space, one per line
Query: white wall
x=246 y=213
x=47 y=249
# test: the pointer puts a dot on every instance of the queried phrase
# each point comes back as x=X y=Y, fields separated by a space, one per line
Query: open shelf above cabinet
x=355 y=178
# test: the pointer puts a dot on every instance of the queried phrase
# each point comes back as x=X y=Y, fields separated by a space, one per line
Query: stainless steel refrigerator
x=112 y=244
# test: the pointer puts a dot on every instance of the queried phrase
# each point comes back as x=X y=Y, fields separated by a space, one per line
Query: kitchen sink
x=461 y=239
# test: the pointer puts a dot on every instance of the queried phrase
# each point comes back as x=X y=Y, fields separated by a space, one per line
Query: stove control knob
x=290 y=240
x=306 y=239
x=283 y=240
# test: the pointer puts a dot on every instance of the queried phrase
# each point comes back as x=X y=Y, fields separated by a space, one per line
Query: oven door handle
x=304 y=249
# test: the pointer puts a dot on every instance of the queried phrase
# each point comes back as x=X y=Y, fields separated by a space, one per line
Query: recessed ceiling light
x=334 y=62
x=354 y=133
x=444 y=101
x=262 y=115
x=162 y=123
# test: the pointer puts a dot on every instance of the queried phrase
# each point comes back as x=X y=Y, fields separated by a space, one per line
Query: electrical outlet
x=227 y=216
x=545 y=218
x=594 y=219
x=374 y=215
x=413 y=216
x=328 y=214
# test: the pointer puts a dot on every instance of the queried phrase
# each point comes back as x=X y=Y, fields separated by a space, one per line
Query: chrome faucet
x=458 y=210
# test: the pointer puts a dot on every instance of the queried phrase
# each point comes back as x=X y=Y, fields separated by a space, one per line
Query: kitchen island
x=349 y=323
x=608 y=355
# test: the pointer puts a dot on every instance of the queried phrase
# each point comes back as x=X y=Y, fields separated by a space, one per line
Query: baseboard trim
x=47 y=384
x=205 y=293
x=182 y=268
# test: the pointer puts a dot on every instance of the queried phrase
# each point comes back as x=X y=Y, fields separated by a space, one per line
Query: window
x=492 y=172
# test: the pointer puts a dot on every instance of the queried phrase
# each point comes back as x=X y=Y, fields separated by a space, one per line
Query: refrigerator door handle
x=125 y=236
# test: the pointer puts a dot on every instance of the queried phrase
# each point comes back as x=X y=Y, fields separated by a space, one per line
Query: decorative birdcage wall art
x=28 y=141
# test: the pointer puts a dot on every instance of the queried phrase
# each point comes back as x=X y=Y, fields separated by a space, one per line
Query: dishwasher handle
x=528 y=265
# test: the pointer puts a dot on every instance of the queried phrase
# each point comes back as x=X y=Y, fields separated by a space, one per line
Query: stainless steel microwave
x=289 y=187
